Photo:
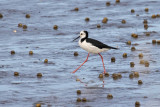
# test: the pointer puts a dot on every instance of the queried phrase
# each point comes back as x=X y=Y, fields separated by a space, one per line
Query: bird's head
x=83 y=34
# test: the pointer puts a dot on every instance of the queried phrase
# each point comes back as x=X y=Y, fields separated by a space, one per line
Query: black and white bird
x=91 y=46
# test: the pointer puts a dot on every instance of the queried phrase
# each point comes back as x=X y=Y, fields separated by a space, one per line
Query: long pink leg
x=103 y=63
x=81 y=64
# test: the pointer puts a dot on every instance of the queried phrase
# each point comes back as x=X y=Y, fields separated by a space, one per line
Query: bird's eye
x=81 y=33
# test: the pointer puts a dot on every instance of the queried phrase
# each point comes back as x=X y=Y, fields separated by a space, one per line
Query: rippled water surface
x=58 y=86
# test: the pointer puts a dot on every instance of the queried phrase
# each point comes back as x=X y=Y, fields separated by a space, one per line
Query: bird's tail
x=114 y=47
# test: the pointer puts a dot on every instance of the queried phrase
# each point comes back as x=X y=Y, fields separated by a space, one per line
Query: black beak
x=76 y=38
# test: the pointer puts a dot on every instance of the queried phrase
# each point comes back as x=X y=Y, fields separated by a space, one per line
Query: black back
x=99 y=44
x=96 y=43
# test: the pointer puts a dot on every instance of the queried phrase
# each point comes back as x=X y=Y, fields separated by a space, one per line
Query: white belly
x=90 y=48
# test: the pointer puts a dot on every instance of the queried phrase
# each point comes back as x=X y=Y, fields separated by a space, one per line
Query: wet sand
x=58 y=87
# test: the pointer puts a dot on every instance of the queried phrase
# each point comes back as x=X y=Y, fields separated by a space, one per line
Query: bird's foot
x=104 y=72
x=73 y=72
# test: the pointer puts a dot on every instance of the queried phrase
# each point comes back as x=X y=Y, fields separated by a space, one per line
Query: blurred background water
x=58 y=86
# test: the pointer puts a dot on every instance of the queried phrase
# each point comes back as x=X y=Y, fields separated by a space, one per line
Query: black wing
x=99 y=44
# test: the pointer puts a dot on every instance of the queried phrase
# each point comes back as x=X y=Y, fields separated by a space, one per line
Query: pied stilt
x=92 y=46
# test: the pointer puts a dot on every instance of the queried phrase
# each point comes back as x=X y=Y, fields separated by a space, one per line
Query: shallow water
x=58 y=86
